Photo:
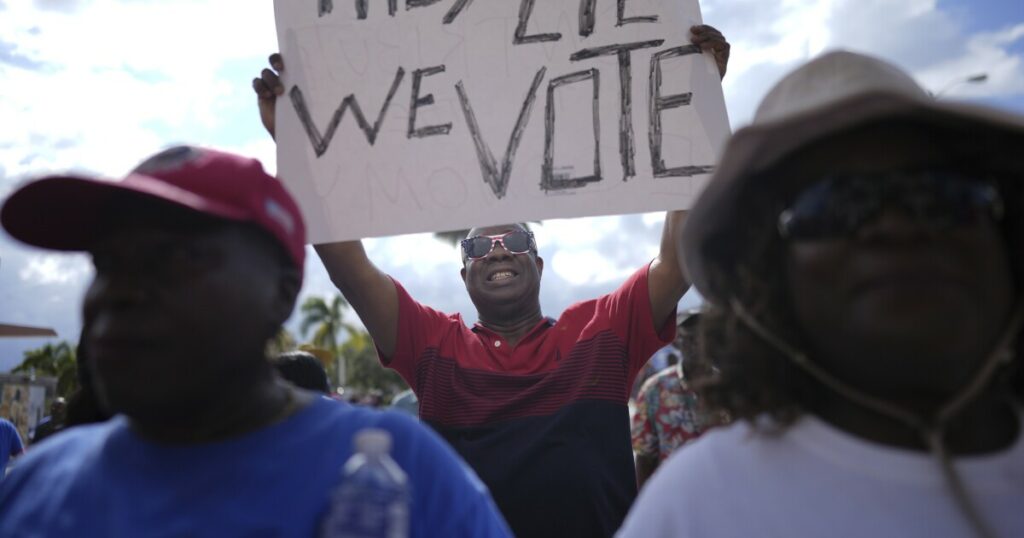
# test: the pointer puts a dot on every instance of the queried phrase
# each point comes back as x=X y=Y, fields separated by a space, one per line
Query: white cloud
x=771 y=38
x=651 y=219
x=587 y=266
x=55 y=269
x=985 y=53
x=59 y=5
x=120 y=76
x=590 y=251
x=420 y=253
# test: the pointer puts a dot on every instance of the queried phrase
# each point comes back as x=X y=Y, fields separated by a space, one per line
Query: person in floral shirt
x=668 y=413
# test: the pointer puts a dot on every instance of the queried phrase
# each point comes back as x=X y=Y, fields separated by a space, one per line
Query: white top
x=814 y=481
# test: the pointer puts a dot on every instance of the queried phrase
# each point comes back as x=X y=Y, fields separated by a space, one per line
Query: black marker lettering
x=498 y=179
x=525 y=9
x=455 y=10
x=657 y=104
x=362 y=9
x=322 y=142
x=548 y=181
x=627 y=150
x=418 y=102
x=622 y=19
x=410 y=4
x=324 y=7
x=587 y=17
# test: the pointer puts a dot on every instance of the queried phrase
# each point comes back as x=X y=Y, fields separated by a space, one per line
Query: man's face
x=900 y=308
x=686 y=343
x=174 y=315
x=501 y=277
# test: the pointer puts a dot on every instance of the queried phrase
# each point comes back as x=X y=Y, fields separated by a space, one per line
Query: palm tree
x=329 y=321
x=53 y=360
x=282 y=342
x=365 y=370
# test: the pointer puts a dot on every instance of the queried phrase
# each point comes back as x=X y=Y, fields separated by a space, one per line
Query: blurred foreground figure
x=861 y=248
x=84 y=406
x=199 y=258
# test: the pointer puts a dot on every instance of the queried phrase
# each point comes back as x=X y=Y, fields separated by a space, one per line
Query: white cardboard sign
x=427 y=115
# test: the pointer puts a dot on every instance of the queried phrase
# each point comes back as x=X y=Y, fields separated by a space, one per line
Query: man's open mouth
x=501 y=275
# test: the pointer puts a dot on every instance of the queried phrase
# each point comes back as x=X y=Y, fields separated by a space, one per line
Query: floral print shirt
x=667 y=415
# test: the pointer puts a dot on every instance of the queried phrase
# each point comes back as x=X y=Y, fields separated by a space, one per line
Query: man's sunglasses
x=515 y=242
x=840 y=205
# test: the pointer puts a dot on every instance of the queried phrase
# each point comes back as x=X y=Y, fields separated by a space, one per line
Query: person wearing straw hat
x=198 y=258
x=860 y=248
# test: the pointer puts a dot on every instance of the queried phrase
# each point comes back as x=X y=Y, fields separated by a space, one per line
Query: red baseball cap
x=65 y=212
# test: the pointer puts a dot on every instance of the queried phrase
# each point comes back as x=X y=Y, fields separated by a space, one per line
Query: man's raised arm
x=370 y=292
x=666 y=281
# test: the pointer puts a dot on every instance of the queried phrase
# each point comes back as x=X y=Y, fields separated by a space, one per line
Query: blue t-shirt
x=104 y=480
x=10 y=443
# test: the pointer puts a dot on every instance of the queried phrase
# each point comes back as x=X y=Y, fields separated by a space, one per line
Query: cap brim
x=68 y=212
x=758 y=147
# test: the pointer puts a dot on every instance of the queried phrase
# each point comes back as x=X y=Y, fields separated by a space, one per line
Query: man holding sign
x=537 y=406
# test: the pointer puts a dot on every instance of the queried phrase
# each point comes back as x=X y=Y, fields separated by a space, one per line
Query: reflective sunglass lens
x=482 y=245
x=517 y=242
x=479 y=247
x=838 y=206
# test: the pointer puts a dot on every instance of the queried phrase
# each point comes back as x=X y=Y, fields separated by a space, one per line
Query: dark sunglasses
x=515 y=242
x=840 y=205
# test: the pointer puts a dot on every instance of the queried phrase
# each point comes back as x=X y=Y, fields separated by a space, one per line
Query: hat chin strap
x=932 y=430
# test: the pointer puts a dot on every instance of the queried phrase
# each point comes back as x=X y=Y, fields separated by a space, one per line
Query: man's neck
x=988 y=424
x=253 y=406
x=512 y=329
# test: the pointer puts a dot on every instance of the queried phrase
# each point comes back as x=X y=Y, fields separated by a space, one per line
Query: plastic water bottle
x=373 y=498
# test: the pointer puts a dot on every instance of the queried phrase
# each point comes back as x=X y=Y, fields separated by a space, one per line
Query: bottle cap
x=373 y=441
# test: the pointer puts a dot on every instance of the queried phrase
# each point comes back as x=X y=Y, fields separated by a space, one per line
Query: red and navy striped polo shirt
x=545 y=422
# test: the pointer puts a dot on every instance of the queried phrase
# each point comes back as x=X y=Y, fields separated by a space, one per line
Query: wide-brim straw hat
x=833 y=93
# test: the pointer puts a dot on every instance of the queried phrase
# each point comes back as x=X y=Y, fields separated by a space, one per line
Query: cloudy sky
x=94 y=85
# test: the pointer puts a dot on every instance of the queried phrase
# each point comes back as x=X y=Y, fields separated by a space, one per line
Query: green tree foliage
x=327 y=320
x=357 y=356
x=365 y=371
x=52 y=360
x=283 y=342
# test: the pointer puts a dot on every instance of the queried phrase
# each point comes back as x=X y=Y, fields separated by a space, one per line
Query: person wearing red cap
x=198 y=259
x=537 y=406
x=860 y=249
